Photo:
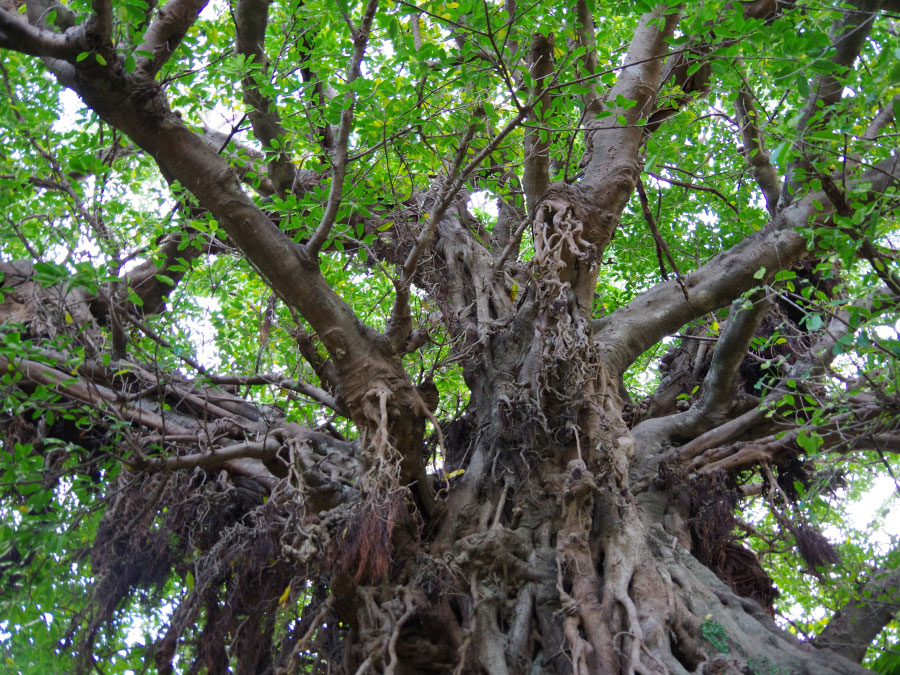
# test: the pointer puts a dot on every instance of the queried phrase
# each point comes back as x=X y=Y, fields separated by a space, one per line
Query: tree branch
x=853 y=627
x=661 y=247
x=315 y=393
x=812 y=362
x=611 y=147
x=20 y=36
x=699 y=188
x=536 y=167
x=848 y=36
x=754 y=151
x=339 y=162
x=165 y=34
x=100 y=25
x=251 y=19
x=585 y=32
x=719 y=385
x=631 y=330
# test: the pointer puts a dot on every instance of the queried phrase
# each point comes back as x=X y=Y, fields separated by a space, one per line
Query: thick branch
x=855 y=625
x=166 y=33
x=536 y=169
x=95 y=395
x=810 y=364
x=613 y=147
x=731 y=348
x=585 y=33
x=631 y=330
x=22 y=37
x=251 y=19
x=754 y=151
x=100 y=25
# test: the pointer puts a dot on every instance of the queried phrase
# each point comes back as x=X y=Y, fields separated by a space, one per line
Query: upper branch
x=629 y=331
x=166 y=33
x=849 y=34
x=855 y=625
x=251 y=19
x=614 y=147
x=754 y=151
x=20 y=36
x=100 y=25
x=339 y=163
x=721 y=380
x=536 y=178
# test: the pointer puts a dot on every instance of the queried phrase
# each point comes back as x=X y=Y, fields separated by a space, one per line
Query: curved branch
x=339 y=162
x=628 y=332
x=855 y=625
x=849 y=33
x=166 y=33
x=814 y=361
x=19 y=36
x=251 y=19
x=720 y=382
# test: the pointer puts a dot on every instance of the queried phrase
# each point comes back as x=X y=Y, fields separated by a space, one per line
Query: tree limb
x=339 y=161
x=754 y=151
x=165 y=33
x=853 y=627
x=251 y=19
x=632 y=329
x=717 y=391
x=100 y=24
x=20 y=36
x=849 y=33
x=536 y=166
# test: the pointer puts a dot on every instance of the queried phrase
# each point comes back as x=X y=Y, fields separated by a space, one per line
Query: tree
x=537 y=330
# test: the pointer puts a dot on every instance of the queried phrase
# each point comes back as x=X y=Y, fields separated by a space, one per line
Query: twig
x=660 y=242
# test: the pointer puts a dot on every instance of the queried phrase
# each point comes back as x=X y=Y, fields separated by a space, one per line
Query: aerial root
x=635 y=632
x=580 y=647
x=409 y=608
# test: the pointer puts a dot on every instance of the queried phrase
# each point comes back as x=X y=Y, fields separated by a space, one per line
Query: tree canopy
x=449 y=336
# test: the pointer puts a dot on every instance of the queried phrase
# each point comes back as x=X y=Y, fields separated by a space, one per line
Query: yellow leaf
x=69 y=318
x=285 y=595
